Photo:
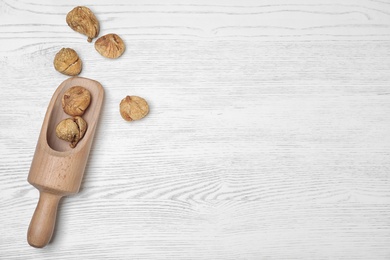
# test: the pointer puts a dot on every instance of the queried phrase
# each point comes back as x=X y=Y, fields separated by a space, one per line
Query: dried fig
x=110 y=46
x=67 y=62
x=82 y=20
x=133 y=108
x=76 y=100
x=71 y=130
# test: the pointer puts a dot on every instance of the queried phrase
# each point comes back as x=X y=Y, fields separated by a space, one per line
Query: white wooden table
x=268 y=135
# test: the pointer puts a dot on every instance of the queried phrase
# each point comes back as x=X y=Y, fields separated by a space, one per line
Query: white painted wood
x=267 y=138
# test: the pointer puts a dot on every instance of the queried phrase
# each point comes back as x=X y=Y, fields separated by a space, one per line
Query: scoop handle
x=43 y=221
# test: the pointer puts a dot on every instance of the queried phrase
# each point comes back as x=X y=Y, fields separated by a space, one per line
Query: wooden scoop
x=57 y=169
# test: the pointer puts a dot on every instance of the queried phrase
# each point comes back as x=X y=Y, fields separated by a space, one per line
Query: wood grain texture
x=267 y=137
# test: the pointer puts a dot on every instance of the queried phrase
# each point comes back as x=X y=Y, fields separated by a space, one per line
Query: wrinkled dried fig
x=110 y=46
x=133 y=108
x=71 y=130
x=82 y=20
x=67 y=62
x=76 y=100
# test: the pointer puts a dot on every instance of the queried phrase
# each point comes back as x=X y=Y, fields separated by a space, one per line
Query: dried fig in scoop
x=76 y=100
x=71 y=130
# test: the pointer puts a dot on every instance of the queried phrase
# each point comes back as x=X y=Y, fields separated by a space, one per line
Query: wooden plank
x=195 y=229
x=267 y=136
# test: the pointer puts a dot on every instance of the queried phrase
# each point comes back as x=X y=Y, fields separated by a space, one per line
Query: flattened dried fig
x=133 y=108
x=82 y=20
x=76 y=100
x=110 y=46
x=67 y=62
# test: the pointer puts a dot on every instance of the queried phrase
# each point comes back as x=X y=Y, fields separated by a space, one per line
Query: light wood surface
x=267 y=137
